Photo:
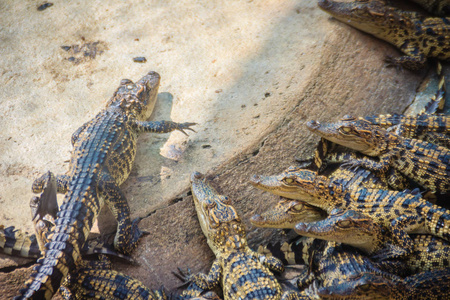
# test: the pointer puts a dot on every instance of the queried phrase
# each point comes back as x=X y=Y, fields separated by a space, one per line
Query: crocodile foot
x=185 y=126
x=184 y=276
x=127 y=245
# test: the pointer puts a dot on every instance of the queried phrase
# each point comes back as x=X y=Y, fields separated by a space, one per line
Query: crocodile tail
x=47 y=276
x=72 y=226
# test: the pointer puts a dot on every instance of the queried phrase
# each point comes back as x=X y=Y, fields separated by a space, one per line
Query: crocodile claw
x=186 y=126
x=351 y=165
x=184 y=276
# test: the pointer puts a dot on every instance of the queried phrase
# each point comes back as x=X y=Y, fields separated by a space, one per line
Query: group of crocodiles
x=368 y=231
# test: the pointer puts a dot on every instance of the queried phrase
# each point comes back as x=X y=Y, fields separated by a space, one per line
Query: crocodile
x=401 y=212
x=360 y=231
x=103 y=152
x=242 y=272
x=90 y=279
x=423 y=162
x=415 y=34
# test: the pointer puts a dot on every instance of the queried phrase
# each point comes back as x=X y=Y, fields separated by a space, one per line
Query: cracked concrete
x=251 y=74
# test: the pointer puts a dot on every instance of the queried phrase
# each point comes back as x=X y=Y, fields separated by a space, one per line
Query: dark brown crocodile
x=104 y=150
x=415 y=34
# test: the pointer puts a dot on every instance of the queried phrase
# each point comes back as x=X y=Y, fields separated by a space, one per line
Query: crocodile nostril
x=257 y=219
x=348 y=118
x=196 y=175
x=255 y=179
x=126 y=81
x=313 y=124
x=300 y=227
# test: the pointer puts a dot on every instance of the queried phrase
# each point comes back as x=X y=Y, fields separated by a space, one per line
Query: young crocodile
x=401 y=212
x=243 y=273
x=90 y=279
x=426 y=163
x=415 y=34
x=104 y=150
x=360 y=231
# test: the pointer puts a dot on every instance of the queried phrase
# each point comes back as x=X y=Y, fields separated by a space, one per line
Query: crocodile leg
x=273 y=263
x=128 y=233
x=207 y=282
x=382 y=165
x=62 y=183
x=77 y=133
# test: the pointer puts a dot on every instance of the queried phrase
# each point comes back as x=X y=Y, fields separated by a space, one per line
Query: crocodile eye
x=345 y=130
x=288 y=180
x=298 y=207
x=292 y=169
x=344 y=224
x=225 y=200
x=208 y=205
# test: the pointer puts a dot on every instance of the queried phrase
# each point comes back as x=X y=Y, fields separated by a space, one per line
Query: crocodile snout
x=257 y=219
x=313 y=125
x=196 y=176
x=255 y=179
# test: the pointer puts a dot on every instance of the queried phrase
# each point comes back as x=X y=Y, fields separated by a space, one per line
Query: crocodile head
x=372 y=16
x=284 y=184
x=298 y=184
x=218 y=219
x=357 y=134
x=286 y=213
x=349 y=227
x=137 y=99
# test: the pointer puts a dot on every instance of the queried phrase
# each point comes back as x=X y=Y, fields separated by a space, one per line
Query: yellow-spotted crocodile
x=400 y=212
x=242 y=273
x=360 y=231
x=418 y=36
x=104 y=150
x=423 y=162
